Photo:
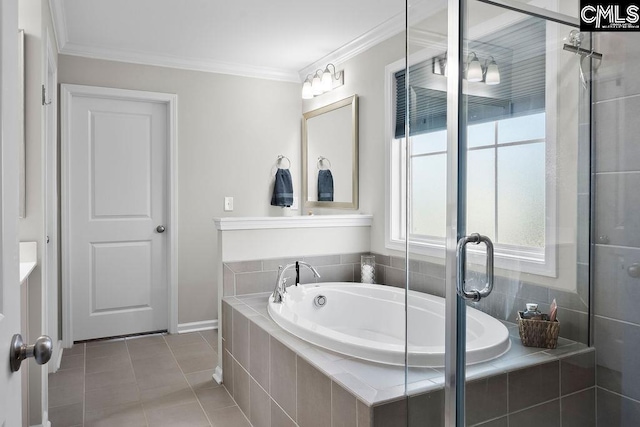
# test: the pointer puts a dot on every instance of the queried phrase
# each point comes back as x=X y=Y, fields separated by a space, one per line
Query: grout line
x=146 y=419
x=535 y=406
x=196 y=394
x=619 y=395
x=330 y=401
x=617 y=320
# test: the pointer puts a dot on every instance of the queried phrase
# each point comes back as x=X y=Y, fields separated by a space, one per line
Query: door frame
x=67 y=93
x=10 y=383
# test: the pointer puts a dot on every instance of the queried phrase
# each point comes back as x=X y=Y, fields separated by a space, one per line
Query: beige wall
x=230 y=131
x=364 y=76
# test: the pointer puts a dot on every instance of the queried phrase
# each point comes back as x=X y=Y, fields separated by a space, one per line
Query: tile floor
x=157 y=380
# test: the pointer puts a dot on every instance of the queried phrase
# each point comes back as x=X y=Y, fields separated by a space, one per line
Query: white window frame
x=508 y=257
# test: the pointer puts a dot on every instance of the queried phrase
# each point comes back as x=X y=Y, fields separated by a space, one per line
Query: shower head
x=574 y=40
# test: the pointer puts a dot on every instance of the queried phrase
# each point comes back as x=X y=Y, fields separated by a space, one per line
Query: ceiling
x=274 y=39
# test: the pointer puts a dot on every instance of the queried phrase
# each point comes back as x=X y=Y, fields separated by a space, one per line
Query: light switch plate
x=228 y=204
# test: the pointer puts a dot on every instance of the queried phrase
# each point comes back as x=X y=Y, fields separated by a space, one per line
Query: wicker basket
x=538 y=333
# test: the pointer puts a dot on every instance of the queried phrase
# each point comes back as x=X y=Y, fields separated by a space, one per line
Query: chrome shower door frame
x=455 y=314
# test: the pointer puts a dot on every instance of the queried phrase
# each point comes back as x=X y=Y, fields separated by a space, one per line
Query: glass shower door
x=497 y=184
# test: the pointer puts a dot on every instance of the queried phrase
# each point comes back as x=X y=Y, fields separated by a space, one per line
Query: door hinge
x=44 y=96
x=47 y=239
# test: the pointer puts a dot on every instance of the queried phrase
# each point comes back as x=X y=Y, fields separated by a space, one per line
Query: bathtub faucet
x=281 y=281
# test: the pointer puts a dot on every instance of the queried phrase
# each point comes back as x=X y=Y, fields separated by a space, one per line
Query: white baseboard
x=59 y=358
x=204 y=325
x=217 y=375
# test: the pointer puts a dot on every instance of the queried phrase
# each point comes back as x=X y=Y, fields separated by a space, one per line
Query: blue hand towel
x=325 y=186
x=282 y=189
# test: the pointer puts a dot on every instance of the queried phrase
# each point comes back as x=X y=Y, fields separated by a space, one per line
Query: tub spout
x=281 y=281
x=309 y=266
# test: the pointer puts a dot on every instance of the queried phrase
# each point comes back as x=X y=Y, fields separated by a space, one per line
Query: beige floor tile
x=161 y=379
x=166 y=396
x=103 y=364
x=99 y=342
x=177 y=340
x=213 y=399
x=158 y=380
x=191 y=349
x=201 y=380
x=145 y=340
x=66 y=416
x=189 y=415
x=67 y=377
x=111 y=396
x=70 y=361
x=150 y=351
x=128 y=415
x=211 y=336
x=229 y=417
x=62 y=396
x=159 y=363
x=108 y=349
x=113 y=378
x=198 y=362
x=76 y=349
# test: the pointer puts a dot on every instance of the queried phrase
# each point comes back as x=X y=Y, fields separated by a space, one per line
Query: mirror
x=330 y=155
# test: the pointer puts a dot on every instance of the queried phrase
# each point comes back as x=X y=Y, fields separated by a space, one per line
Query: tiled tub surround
x=279 y=381
x=509 y=295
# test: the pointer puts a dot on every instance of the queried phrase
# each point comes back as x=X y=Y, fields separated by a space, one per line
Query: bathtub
x=368 y=322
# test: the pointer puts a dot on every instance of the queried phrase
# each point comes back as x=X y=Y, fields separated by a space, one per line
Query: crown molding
x=211 y=66
x=382 y=32
x=306 y=221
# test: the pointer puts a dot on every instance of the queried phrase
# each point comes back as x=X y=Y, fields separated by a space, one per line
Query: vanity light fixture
x=440 y=65
x=322 y=81
x=306 y=89
x=316 y=84
x=474 y=70
x=491 y=72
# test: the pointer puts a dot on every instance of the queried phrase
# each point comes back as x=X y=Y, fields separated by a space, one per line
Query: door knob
x=41 y=351
x=160 y=229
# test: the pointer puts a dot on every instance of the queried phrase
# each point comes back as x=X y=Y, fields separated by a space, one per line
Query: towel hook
x=321 y=160
x=282 y=157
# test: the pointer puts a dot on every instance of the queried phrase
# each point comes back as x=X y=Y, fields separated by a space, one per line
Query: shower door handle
x=461 y=258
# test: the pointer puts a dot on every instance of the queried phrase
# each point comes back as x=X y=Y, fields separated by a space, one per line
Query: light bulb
x=327 y=81
x=316 y=85
x=306 y=90
x=474 y=70
x=492 y=75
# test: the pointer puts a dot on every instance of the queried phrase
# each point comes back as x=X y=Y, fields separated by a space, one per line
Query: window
x=510 y=173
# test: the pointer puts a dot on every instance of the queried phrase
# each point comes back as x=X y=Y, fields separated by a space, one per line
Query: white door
x=116 y=170
x=10 y=394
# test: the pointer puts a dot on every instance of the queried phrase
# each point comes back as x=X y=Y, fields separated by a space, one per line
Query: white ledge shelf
x=28 y=259
x=308 y=221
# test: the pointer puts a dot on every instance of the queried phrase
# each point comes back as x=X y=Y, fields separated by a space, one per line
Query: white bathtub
x=368 y=321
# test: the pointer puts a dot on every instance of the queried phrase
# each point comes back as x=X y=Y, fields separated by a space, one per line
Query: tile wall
x=250 y=277
x=616 y=237
x=509 y=295
x=275 y=385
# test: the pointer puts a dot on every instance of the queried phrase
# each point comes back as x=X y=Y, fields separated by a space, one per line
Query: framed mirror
x=330 y=155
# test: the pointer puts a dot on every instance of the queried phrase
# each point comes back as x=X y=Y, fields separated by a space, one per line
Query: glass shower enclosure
x=490 y=157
